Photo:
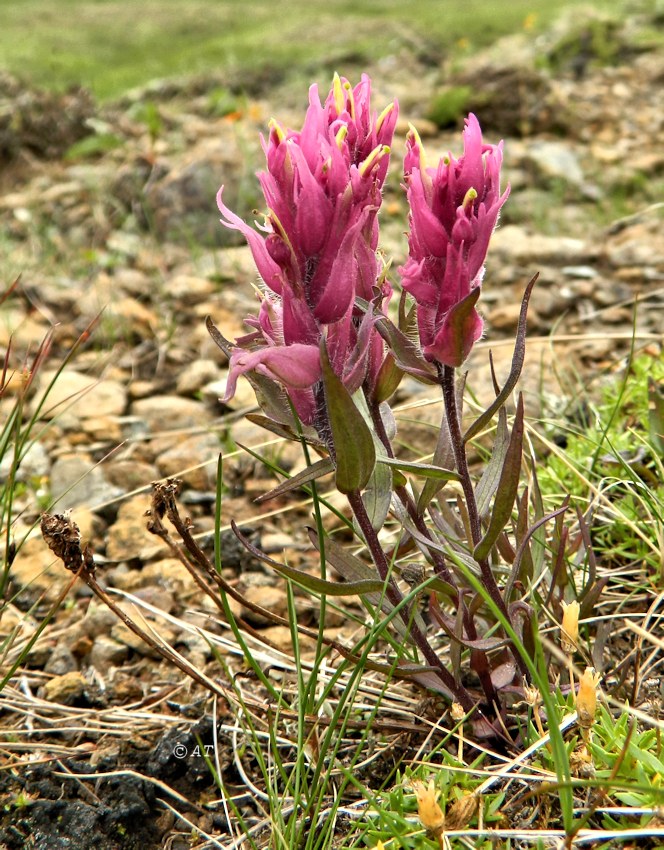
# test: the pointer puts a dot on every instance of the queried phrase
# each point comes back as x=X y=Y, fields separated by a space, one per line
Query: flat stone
x=271 y=598
x=36 y=568
x=77 y=482
x=170 y=413
x=61 y=660
x=65 y=689
x=194 y=376
x=128 y=537
x=522 y=247
x=107 y=652
x=193 y=460
x=83 y=396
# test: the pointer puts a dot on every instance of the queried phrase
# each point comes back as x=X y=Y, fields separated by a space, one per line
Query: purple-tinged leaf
x=523 y=547
x=218 y=338
x=522 y=536
x=283 y=430
x=311 y=473
x=313 y=583
x=507 y=487
x=355 y=455
x=449 y=627
x=490 y=479
x=503 y=675
x=517 y=364
x=406 y=355
x=353 y=570
x=422 y=470
x=388 y=379
x=377 y=496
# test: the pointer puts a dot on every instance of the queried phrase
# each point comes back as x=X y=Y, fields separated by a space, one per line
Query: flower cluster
x=316 y=253
x=453 y=211
x=323 y=190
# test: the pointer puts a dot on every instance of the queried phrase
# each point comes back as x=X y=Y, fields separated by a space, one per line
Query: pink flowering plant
x=325 y=353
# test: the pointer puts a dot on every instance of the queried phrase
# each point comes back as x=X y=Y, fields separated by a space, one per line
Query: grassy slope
x=111 y=45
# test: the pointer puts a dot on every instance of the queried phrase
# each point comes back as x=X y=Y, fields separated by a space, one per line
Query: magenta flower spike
x=317 y=249
x=453 y=211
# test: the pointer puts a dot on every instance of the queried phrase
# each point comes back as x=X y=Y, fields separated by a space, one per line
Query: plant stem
x=396 y=598
x=446 y=375
x=406 y=500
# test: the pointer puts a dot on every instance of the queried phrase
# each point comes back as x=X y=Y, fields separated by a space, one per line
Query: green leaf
x=507 y=487
x=311 y=473
x=406 y=355
x=351 y=437
x=488 y=483
x=423 y=470
x=517 y=364
x=372 y=584
x=388 y=379
x=327 y=588
x=353 y=570
x=378 y=495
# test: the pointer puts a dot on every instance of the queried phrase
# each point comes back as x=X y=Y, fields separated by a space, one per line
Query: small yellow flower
x=569 y=634
x=379 y=846
x=457 y=712
x=586 y=700
x=430 y=814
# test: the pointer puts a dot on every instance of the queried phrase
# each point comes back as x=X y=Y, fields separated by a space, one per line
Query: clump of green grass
x=612 y=461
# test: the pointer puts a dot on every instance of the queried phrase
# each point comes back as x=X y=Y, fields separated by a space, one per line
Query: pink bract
x=453 y=211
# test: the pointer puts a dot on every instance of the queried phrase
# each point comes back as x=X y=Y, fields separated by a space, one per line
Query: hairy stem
x=446 y=375
x=406 y=500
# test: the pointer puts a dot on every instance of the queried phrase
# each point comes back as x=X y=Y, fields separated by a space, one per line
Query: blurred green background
x=110 y=46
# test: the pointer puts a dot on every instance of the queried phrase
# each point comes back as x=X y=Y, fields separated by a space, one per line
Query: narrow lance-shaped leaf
x=517 y=364
x=523 y=547
x=406 y=355
x=311 y=473
x=507 y=488
x=377 y=496
x=488 y=483
x=354 y=570
x=355 y=455
x=313 y=583
x=423 y=470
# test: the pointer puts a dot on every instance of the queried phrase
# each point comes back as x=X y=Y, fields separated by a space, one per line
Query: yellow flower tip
x=469 y=197
x=379 y=846
x=429 y=812
x=383 y=115
x=586 y=699
x=274 y=125
x=377 y=153
x=569 y=634
x=340 y=138
x=338 y=90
